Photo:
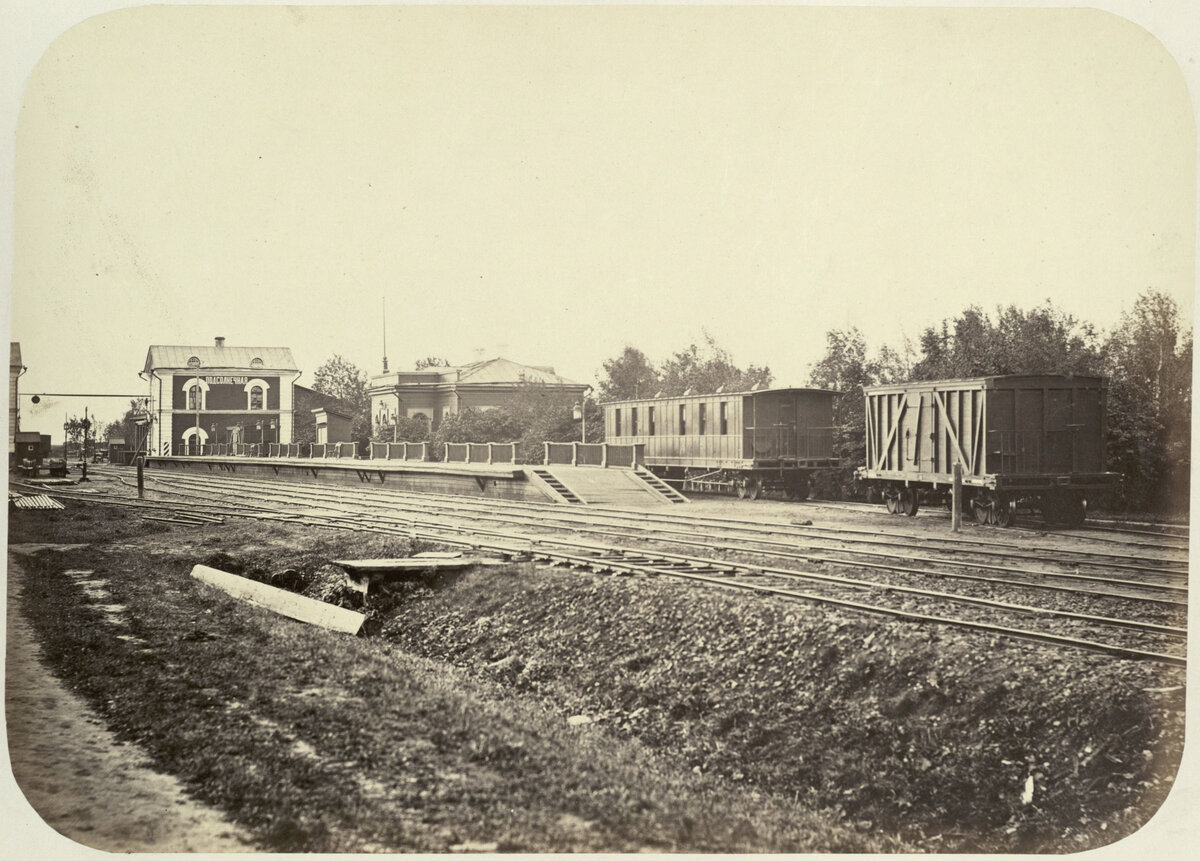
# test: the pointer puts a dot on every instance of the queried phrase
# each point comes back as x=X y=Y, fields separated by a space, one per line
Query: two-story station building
x=219 y=394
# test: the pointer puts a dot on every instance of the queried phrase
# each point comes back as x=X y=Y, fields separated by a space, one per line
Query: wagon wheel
x=739 y=487
x=1052 y=509
x=892 y=500
x=1073 y=511
x=1002 y=512
x=983 y=511
x=753 y=488
x=789 y=490
x=909 y=501
x=802 y=487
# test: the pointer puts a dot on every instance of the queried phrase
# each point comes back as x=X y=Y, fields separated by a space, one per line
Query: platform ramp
x=591 y=485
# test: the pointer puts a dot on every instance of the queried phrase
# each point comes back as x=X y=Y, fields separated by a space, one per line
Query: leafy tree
x=542 y=414
x=705 y=369
x=472 y=425
x=700 y=368
x=846 y=368
x=1150 y=404
x=78 y=435
x=127 y=427
x=629 y=375
x=345 y=381
x=1044 y=340
x=406 y=429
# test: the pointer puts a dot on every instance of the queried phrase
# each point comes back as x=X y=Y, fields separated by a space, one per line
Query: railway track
x=1172 y=536
x=1168 y=597
x=1132 y=630
x=1167 y=565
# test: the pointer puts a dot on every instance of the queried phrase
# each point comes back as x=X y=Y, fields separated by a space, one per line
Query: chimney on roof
x=219 y=341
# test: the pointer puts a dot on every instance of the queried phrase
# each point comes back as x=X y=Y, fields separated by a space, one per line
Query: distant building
x=306 y=402
x=333 y=425
x=15 y=369
x=434 y=393
x=219 y=394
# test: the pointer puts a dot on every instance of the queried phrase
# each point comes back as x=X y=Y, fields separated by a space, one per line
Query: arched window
x=256 y=394
x=195 y=391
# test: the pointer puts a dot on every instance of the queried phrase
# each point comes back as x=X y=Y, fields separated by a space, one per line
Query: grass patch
x=321 y=742
x=907 y=729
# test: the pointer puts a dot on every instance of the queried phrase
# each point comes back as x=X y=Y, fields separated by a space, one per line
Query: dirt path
x=84 y=783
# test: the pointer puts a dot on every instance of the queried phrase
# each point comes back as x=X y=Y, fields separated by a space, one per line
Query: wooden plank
x=952 y=431
x=887 y=443
x=281 y=601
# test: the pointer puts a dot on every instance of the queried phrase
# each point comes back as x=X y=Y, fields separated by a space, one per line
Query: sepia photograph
x=665 y=429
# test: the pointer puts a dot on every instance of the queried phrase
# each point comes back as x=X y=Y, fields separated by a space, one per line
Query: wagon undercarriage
x=745 y=483
x=995 y=503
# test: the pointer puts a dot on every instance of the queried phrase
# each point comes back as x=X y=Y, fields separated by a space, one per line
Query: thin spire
x=383 y=299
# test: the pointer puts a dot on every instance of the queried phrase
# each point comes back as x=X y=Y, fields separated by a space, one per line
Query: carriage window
x=724 y=417
x=256 y=398
x=617 y=419
x=650 y=420
x=682 y=419
x=633 y=421
x=703 y=418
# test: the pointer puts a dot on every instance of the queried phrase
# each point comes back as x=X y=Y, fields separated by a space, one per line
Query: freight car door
x=787 y=426
x=915 y=424
x=1059 y=433
x=1087 y=413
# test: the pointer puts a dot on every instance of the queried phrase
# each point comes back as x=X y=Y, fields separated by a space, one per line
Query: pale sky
x=552 y=184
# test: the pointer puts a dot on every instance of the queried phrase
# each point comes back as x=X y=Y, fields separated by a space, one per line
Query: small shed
x=116 y=449
x=332 y=425
x=27 y=446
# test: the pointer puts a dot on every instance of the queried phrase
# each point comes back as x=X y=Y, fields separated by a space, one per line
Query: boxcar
x=744 y=442
x=1035 y=442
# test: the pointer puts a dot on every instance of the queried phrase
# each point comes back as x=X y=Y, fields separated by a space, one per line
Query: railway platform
x=587 y=485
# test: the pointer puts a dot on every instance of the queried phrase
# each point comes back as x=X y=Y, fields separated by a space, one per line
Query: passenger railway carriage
x=1035 y=442
x=744 y=442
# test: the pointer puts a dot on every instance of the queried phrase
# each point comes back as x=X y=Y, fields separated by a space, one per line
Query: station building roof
x=500 y=370
x=495 y=372
x=171 y=357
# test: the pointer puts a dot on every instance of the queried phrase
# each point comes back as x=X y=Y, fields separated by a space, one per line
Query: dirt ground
x=88 y=786
x=101 y=793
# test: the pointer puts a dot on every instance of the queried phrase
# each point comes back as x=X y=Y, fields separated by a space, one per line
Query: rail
x=602 y=557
